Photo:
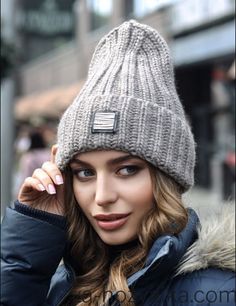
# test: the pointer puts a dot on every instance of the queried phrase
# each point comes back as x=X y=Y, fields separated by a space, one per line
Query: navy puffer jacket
x=193 y=268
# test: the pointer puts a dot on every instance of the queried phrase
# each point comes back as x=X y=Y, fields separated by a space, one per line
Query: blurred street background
x=46 y=47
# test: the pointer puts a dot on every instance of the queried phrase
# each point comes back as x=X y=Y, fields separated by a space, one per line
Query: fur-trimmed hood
x=215 y=246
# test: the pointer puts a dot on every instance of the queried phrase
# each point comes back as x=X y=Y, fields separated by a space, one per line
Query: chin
x=116 y=238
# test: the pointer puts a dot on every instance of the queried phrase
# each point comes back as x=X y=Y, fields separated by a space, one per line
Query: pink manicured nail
x=51 y=189
x=41 y=187
x=59 y=179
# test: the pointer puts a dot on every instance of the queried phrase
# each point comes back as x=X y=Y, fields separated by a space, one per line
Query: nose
x=105 y=191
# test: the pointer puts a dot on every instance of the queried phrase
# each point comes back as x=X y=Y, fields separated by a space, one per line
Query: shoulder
x=206 y=273
x=205 y=286
x=211 y=277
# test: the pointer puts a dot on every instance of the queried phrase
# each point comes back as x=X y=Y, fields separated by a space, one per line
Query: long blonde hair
x=97 y=276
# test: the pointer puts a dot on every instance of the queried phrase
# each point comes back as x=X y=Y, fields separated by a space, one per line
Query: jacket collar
x=167 y=250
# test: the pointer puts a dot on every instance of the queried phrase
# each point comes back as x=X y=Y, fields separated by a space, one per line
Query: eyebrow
x=110 y=162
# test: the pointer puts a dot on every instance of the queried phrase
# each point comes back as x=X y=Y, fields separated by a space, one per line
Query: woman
x=109 y=202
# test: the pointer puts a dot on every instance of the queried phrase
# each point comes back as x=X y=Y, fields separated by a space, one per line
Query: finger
x=45 y=180
x=33 y=183
x=53 y=152
x=52 y=170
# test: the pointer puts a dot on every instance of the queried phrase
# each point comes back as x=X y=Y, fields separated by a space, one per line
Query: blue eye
x=128 y=170
x=83 y=173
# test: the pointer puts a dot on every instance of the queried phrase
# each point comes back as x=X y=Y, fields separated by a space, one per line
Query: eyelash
x=135 y=168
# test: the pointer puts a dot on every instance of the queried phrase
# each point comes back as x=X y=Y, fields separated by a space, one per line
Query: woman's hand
x=44 y=190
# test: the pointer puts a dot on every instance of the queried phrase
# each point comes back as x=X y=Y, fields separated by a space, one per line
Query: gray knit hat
x=129 y=103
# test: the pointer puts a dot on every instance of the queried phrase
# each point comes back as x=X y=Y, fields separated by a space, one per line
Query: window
x=100 y=12
x=144 y=7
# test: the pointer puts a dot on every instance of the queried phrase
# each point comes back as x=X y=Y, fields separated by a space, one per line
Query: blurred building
x=203 y=46
x=43 y=26
x=7 y=100
x=201 y=37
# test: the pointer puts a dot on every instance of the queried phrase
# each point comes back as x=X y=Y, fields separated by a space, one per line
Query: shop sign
x=48 y=19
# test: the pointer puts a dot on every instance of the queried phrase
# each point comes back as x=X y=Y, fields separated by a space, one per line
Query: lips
x=111 y=217
x=111 y=221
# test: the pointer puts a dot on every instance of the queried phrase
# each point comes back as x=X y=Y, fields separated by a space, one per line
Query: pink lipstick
x=111 y=221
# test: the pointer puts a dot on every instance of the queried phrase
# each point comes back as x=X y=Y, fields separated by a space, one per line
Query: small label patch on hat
x=104 y=122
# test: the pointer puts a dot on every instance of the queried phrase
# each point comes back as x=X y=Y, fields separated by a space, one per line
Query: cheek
x=82 y=196
x=139 y=191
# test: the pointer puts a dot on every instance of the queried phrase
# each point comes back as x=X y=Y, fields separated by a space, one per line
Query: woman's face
x=114 y=190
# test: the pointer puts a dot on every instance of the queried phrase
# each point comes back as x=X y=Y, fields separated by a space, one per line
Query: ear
x=53 y=152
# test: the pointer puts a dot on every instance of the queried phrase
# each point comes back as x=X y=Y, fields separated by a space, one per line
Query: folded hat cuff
x=142 y=128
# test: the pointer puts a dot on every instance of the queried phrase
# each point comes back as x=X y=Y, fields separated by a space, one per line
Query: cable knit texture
x=131 y=75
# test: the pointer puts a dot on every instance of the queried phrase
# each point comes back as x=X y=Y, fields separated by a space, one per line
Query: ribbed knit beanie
x=129 y=103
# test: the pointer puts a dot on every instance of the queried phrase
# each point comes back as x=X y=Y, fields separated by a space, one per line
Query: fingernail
x=51 y=189
x=59 y=179
x=41 y=187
